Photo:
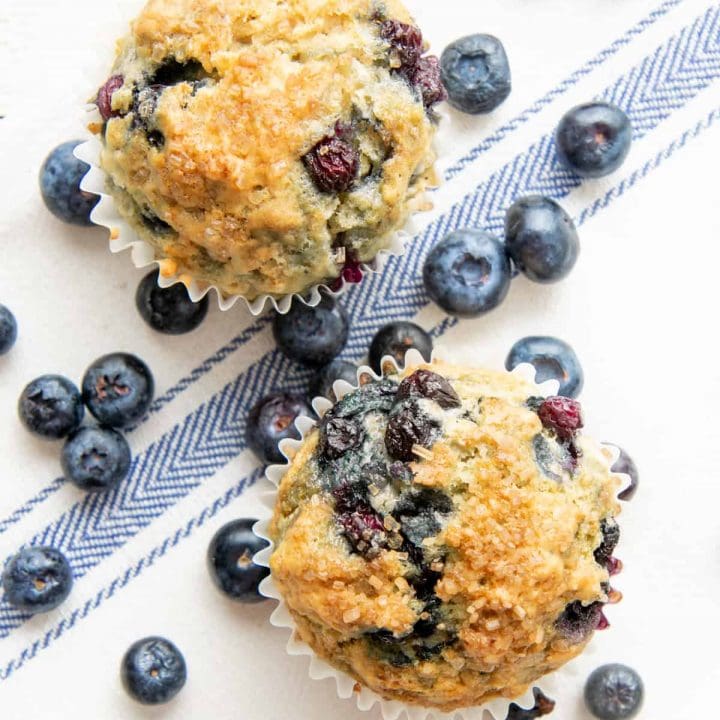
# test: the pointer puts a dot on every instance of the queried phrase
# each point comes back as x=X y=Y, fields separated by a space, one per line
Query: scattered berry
x=541 y=239
x=552 y=359
x=51 y=407
x=271 y=420
x=60 y=178
x=543 y=706
x=578 y=621
x=594 y=139
x=467 y=273
x=430 y=385
x=563 y=415
x=153 y=671
x=610 y=538
x=395 y=339
x=425 y=76
x=230 y=561
x=333 y=163
x=95 y=458
x=104 y=96
x=626 y=465
x=322 y=383
x=312 y=335
x=614 y=692
x=37 y=579
x=118 y=389
x=8 y=330
x=339 y=435
x=476 y=73
x=406 y=428
x=168 y=310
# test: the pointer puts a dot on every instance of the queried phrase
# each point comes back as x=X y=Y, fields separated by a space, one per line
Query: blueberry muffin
x=445 y=536
x=267 y=146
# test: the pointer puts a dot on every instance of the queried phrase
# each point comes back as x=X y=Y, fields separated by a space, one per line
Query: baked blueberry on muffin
x=446 y=536
x=262 y=146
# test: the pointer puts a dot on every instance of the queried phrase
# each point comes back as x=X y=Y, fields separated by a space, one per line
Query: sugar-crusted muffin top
x=260 y=144
x=446 y=536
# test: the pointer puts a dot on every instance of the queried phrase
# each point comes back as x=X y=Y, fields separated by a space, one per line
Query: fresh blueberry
x=594 y=139
x=476 y=73
x=95 y=458
x=60 y=178
x=168 y=310
x=614 y=692
x=626 y=465
x=541 y=239
x=51 y=407
x=322 y=383
x=333 y=162
x=395 y=339
x=8 y=330
x=230 y=561
x=543 y=706
x=552 y=359
x=271 y=420
x=153 y=671
x=37 y=579
x=467 y=273
x=118 y=389
x=312 y=335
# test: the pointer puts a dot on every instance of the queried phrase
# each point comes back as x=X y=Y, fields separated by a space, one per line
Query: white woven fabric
x=639 y=309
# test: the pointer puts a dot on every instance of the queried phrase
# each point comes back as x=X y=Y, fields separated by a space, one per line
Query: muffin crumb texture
x=441 y=542
x=264 y=145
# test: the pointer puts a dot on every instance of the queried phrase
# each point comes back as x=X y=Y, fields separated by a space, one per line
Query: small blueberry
x=153 y=671
x=51 y=406
x=95 y=458
x=8 y=330
x=37 y=579
x=60 y=178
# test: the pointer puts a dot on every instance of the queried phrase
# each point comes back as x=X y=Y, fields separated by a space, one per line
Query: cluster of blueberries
x=467 y=274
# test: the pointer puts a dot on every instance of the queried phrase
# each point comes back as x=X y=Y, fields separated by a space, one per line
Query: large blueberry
x=118 y=389
x=230 y=561
x=395 y=339
x=614 y=692
x=51 y=406
x=476 y=73
x=467 y=273
x=271 y=420
x=552 y=358
x=37 y=579
x=312 y=335
x=168 y=310
x=322 y=383
x=8 y=330
x=541 y=239
x=60 y=178
x=594 y=139
x=95 y=458
x=153 y=671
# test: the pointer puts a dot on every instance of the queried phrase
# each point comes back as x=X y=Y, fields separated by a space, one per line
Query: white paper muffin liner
x=124 y=237
x=319 y=669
